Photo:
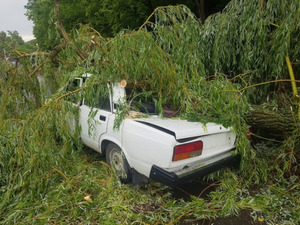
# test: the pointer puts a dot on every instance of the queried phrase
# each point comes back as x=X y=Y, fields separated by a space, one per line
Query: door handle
x=103 y=118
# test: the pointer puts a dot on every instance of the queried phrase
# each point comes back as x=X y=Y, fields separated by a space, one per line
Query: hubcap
x=117 y=162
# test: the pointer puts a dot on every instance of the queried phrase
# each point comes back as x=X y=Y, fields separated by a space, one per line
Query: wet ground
x=201 y=189
x=196 y=188
x=244 y=218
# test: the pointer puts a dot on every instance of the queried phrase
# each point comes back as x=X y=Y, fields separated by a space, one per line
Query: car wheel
x=117 y=161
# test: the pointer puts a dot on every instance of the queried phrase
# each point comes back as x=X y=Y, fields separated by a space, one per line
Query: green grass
x=49 y=185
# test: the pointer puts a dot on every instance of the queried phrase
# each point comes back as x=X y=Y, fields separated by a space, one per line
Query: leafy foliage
x=42 y=14
x=202 y=71
x=11 y=41
x=107 y=17
x=12 y=37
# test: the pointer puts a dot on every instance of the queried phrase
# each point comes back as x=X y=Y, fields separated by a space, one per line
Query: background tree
x=13 y=41
x=41 y=12
x=108 y=17
x=14 y=38
x=2 y=36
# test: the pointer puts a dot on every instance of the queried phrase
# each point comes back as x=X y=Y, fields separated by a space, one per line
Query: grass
x=58 y=195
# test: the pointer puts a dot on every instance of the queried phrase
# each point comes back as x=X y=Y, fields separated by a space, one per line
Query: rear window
x=141 y=103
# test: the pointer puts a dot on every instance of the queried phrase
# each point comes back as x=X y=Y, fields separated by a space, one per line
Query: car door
x=94 y=120
x=74 y=99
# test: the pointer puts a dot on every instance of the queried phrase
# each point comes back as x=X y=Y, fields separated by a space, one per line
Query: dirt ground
x=244 y=218
x=202 y=189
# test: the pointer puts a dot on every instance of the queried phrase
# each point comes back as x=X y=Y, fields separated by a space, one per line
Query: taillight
x=250 y=132
x=187 y=150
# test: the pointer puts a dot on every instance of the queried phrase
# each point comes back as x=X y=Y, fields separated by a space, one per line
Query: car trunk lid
x=183 y=130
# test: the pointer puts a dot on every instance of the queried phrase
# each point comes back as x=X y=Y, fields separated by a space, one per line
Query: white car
x=168 y=150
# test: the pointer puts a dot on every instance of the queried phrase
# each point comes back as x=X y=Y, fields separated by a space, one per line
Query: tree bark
x=56 y=50
x=272 y=123
x=201 y=9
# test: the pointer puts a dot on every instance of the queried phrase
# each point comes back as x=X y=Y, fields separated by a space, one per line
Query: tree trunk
x=201 y=9
x=272 y=123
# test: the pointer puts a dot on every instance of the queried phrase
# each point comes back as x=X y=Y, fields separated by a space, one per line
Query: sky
x=12 y=18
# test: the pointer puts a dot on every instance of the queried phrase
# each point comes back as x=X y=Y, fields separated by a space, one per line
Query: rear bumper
x=171 y=179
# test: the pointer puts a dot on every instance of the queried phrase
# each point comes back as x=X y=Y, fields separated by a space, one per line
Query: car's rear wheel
x=117 y=161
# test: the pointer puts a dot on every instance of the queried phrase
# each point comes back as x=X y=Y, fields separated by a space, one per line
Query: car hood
x=183 y=129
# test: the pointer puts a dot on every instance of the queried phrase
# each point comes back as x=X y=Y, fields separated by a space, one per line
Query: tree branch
x=83 y=55
x=8 y=45
x=201 y=10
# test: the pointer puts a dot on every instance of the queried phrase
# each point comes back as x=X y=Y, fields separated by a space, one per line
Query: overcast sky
x=12 y=18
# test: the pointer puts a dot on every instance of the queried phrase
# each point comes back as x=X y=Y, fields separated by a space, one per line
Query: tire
x=117 y=161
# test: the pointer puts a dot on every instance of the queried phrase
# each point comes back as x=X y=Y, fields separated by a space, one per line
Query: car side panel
x=143 y=146
x=146 y=146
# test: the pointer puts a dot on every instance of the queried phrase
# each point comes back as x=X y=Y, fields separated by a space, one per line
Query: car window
x=74 y=85
x=141 y=103
x=98 y=97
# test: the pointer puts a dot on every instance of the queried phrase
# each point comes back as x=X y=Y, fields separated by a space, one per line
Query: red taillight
x=250 y=132
x=187 y=150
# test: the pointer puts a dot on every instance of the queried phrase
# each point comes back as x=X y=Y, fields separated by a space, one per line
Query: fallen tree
x=206 y=72
x=270 y=123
